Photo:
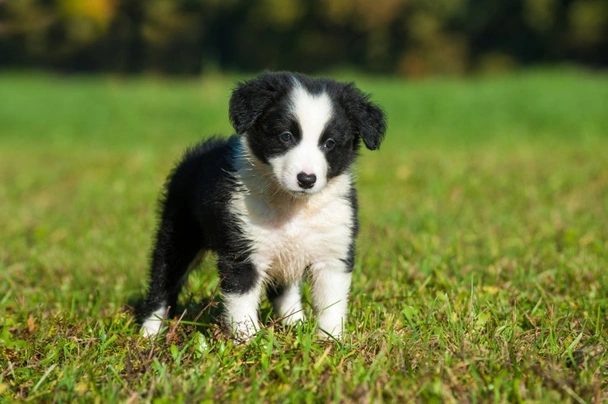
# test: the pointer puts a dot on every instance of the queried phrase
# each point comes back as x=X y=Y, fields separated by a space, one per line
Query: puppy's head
x=306 y=130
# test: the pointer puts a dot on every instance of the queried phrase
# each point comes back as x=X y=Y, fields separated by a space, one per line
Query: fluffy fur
x=276 y=202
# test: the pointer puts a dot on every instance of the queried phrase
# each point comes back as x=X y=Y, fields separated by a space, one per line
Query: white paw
x=331 y=325
x=153 y=324
x=243 y=331
x=293 y=318
x=288 y=306
x=241 y=314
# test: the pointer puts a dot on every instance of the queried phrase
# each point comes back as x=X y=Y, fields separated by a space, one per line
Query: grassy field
x=481 y=273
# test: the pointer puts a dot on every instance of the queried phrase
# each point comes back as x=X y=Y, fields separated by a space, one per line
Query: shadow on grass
x=197 y=315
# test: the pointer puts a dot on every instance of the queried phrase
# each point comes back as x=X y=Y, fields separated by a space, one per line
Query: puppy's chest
x=284 y=245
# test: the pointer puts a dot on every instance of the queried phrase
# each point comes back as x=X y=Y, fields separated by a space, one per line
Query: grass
x=481 y=270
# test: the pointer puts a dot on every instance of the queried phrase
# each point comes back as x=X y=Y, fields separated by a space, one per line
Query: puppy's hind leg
x=177 y=246
x=287 y=302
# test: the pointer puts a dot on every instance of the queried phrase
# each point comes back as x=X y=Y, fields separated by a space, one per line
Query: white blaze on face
x=312 y=111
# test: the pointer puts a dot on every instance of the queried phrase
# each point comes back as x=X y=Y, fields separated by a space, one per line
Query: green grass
x=481 y=273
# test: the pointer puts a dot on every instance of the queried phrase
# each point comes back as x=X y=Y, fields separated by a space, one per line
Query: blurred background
x=410 y=38
x=481 y=265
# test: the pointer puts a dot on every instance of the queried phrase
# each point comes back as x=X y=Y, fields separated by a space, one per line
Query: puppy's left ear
x=368 y=119
x=251 y=98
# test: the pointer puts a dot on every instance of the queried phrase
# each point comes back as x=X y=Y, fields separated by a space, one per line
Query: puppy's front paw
x=243 y=331
x=241 y=314
x=331 y=326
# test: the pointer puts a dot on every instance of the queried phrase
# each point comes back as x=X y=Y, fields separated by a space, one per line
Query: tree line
x=405 y=37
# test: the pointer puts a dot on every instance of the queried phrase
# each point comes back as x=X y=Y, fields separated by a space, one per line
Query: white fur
x=289 y=234
x=154 y=322
x=330 y=286
x=241 y=312
x=312 y=113
x=289 y=304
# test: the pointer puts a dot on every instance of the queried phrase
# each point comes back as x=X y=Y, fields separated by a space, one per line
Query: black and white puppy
x=276 y=202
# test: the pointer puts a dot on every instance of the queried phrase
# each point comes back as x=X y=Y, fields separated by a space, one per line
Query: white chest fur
x=289 y=234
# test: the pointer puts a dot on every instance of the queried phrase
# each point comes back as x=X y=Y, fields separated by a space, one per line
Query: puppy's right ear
x=251 y=98
x=368 y=119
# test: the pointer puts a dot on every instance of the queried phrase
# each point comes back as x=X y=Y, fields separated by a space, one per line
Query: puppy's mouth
x=302 y=193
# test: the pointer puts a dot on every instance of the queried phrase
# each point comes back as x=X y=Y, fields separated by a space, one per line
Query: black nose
x=306 y=181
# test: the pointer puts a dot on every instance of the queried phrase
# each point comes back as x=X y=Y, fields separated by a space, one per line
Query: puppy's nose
x=306 y=181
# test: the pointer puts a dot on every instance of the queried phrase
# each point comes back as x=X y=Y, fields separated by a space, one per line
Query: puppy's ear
x=251 y=98
x=367 y=118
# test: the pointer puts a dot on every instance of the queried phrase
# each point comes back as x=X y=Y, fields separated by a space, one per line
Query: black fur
x=196 y=195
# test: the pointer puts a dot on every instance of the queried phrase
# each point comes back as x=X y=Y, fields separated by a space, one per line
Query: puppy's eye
x=329 y=144
x=286 y=137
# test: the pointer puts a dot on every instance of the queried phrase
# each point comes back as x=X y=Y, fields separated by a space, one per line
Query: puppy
x=275 y=202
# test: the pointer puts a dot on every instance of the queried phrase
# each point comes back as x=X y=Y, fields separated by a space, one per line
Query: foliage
x=481 y=272
x=408 y=37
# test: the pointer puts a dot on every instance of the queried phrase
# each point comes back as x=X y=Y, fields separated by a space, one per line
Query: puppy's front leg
x=241 y=289
x=330 y=287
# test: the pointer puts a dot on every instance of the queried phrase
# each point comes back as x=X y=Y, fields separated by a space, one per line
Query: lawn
x=481 y=272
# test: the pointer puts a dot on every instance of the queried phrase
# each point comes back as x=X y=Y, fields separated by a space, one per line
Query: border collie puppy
x=275 y=202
